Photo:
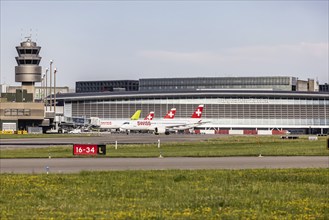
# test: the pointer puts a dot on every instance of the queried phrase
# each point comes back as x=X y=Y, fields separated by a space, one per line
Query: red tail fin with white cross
x=198 y=112
x=150 y=116
x=170 y=114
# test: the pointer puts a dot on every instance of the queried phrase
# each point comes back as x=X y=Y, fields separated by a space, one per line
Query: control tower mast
x=28 y=70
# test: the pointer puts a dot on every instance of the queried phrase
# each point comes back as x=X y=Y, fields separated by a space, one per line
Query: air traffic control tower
x=28 y=70
x=19 y=110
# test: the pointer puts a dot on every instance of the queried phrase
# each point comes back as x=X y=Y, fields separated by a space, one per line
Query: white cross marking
x=149 y=117
x=198 y=112
x=171 y=114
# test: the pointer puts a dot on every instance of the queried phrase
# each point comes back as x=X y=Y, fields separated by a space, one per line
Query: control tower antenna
x=28 y=38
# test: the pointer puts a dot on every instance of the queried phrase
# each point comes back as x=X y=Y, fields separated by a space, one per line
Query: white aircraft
x=114 y=124
x=165 y=125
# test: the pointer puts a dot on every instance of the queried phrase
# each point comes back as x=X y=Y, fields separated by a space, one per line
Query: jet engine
x=161 y=130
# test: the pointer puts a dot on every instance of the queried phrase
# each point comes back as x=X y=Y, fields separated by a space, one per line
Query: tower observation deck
x=28 y=70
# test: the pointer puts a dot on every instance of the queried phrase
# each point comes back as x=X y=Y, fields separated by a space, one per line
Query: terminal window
x=17 y=112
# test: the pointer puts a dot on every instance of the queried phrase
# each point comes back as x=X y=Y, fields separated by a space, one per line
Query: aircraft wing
x=184 y=126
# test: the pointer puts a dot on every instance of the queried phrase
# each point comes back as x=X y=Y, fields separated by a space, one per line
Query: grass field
x=172 y=194
x=224 y=146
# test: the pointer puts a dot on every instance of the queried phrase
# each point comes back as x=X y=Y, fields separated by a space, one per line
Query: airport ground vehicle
x=56 y=131
x=75 y=131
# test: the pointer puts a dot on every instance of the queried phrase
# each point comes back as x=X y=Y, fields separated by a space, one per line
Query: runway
x=74 y=165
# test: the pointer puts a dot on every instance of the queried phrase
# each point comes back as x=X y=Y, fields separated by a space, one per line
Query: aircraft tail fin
x=150 y=116
x=136 y=115
x=198 y=112
x=170 y=114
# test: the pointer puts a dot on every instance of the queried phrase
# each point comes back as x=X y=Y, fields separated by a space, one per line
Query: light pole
x=46 y=90
x=42 y=93
x=51 y=101
x=55 y=70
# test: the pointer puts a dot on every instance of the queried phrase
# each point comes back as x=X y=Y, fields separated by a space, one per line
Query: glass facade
x=289 y=109
x=102 y=86
x=167 y=84
x=324 y=88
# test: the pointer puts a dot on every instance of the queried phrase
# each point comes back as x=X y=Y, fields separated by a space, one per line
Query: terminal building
x=202 y=83
x=169 y=84
x=231 y=103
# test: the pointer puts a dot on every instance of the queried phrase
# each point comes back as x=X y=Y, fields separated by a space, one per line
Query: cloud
x=299 y=60
x=275 y=54
x=172 y=56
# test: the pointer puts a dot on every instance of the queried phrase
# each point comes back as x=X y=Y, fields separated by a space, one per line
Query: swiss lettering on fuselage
x=143 y=123
x=106 y=123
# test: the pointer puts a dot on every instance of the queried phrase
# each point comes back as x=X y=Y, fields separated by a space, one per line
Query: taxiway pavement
x=74 y=165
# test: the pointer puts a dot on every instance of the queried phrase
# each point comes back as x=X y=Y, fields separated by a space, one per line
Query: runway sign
x=89 y=149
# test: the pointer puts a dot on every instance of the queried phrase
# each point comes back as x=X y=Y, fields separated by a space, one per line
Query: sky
x=119 y=40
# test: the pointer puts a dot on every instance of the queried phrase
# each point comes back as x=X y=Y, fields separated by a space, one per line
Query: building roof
x=192 y=93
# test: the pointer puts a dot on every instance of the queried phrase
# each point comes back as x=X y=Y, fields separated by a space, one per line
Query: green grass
x=170 y=194
x=225 y=146
x=173 y=194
